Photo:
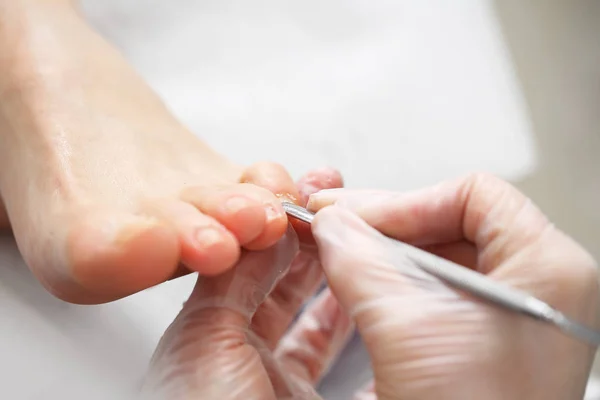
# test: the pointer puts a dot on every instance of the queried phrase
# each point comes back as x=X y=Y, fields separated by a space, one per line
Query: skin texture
x=105 y=191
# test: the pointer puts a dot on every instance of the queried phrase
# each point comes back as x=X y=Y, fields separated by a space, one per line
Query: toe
x=274 y=178
x=253 y=214
x=112 y=255
x=313 y=182
x=206 y=246
x=316 y=180
x=239 y=208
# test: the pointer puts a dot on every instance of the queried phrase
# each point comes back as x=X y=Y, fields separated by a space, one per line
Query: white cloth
x=394 y=93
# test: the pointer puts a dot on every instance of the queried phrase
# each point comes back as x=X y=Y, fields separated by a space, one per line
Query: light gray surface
x=396 y=94
x=422 y=90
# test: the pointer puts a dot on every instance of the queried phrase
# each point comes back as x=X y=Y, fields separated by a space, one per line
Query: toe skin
x=273 y=177
x=253 y=214
x=206 y=245
x=113 y=255
x=280 y=185
x=239 y=208
x=312 y=182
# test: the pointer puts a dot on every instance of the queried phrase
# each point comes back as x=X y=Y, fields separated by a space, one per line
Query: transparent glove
x=236 y=337
x=429 y=341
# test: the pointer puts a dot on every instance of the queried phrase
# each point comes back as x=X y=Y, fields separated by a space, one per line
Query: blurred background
x=554 y=48
x=396 y=94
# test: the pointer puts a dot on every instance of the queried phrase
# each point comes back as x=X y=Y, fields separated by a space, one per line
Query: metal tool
x=481 y=286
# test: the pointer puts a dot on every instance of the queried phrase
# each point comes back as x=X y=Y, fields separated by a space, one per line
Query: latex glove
x=429 y=341
x=231 y=340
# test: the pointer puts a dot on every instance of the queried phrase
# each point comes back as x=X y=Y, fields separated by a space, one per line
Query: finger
x=315 y=340
x=305 y=275
x=409 y=322
x=209 y=346
x=203 y=355
x=247 y=285
x=285 y=385
x=360 y=263
x=309 y=184
x=206 y=349
x=276 y=313
x=480 y=208
x=317 y=180
x=391 y=299
x=506 y=228
x=353 y=197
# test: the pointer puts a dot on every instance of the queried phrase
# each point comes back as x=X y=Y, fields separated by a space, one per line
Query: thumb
x=362 y=265
x=376 y=282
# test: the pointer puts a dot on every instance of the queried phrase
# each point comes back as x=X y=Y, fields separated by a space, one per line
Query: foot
x=106 y=193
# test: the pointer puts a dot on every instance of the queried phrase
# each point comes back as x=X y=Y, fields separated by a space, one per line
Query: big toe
x=112 y=255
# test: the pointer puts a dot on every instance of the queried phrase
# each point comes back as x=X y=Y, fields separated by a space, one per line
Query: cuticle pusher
x=481 y=286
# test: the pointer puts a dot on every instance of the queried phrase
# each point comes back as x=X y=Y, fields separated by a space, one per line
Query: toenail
x=208 y=237
x=236 y=204
x=287 y=197
x=273 y=212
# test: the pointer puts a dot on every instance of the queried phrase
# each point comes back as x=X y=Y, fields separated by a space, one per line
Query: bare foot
x=105 y=191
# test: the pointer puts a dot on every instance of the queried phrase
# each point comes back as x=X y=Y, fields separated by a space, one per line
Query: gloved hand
x=429 y=341
x=231 y=340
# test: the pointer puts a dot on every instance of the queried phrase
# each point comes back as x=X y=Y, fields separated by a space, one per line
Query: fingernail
x=355 y=200
x=323 y=197
x=326 y=193
x=208 y=237
x=307 y=189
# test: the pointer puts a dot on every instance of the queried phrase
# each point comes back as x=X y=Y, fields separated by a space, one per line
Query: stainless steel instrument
x=481 y=286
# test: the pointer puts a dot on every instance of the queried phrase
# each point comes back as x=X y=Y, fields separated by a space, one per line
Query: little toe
x=112 y=255
x=206 y=246
x=253 y=214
